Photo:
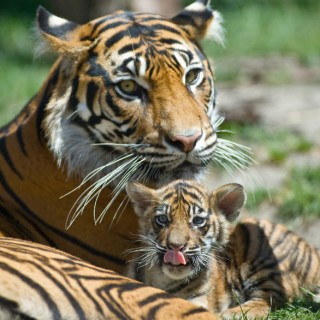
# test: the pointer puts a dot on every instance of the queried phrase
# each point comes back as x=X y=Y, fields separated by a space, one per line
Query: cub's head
x=182 y=224
x=131 y=92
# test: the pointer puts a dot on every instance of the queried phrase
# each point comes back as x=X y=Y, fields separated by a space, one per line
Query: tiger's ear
x=229 y=200
x=61 y=34
x=141 y=197
x=200 y=21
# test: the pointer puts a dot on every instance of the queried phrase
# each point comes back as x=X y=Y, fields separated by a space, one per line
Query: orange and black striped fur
x=189 y=249
x=39 y=282
x=130 y=97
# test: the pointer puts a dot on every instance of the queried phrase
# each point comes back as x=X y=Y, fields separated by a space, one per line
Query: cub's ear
x=200 y=21
x=229 y=200
x=141 y=197
x=61 y=34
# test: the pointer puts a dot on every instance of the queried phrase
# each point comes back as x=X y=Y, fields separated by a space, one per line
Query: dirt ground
x=294 y=106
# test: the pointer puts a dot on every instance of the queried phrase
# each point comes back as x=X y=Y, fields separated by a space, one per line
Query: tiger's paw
x=246 y=312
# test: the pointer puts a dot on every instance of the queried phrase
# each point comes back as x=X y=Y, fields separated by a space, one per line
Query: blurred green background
x=272 y=52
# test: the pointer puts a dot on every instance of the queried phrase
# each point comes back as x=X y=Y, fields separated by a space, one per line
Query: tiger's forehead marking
x=129 y=35
x=184 y=198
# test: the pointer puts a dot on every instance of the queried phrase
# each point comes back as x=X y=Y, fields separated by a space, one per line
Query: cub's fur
x=189 y=249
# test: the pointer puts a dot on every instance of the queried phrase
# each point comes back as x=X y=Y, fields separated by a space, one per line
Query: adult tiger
x=131 y=96
x=40 y=282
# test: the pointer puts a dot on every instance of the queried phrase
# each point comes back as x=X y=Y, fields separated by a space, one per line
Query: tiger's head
x=133 y=94
x=182 y=224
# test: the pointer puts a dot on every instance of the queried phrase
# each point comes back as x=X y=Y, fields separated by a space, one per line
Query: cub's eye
x=162 y=220
x=193 y=76
x=199 y=221
x=128 y=86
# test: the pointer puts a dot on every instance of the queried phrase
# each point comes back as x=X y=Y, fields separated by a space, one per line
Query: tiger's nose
x=185 y=143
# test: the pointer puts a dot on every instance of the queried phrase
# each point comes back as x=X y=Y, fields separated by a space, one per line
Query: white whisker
x=94 y=190
x=97 y=170
x=130 y=145
x=120 y=187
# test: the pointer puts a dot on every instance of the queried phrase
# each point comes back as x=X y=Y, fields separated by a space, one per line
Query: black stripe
x=277 y=296
x=73 y=100
x=7 y=158
x=21 y=141
x=74 y=303
x=194 y=311
x=96 y=69
x=90 y=297
x=24 y=208
x=307 y=265
x=112 y=25
x=159 y=26
x=92 y=89
x=152 y=313
x=109 y=100
x=256 y=284
x=37 y=287
x=20 y=229
x=246 y=240
x=130 y=47
x=9 y=304
x=116 y=308
x=58 y=232
x=98 y=24
x=116 y=38
x=12 y=308
x=169 y=41
x=259 y=265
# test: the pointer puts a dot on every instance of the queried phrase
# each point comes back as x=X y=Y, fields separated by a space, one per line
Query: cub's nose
x=176 y=247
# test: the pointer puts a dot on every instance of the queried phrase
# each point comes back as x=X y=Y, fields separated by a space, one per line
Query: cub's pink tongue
x=174 y=257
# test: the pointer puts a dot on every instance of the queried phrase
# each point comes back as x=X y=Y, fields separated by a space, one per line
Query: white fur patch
x=196 y=6
x=55 y=21
x=216 y=31
x=180 y=60
x=143 y=67
x=83 y=111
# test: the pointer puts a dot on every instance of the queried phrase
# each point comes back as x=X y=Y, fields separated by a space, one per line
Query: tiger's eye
x=128 y=86
x=192 y=76
x=161 y=220
x=198 y=221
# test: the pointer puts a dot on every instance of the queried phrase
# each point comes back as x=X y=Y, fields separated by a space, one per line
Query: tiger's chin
x=185 y=170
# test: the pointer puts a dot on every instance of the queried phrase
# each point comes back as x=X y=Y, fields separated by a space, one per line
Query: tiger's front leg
x=252 y=309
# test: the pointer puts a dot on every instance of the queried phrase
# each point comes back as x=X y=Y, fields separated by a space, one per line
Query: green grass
x=300 y=196
x=279 y=144
x=304 y=308
x=300 y=309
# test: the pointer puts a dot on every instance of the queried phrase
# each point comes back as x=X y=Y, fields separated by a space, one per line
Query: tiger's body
x=39 y=282
x=131 y=96
x=189 y=249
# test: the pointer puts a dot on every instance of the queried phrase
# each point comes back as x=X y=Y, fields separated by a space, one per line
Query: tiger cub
x=189 y=248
